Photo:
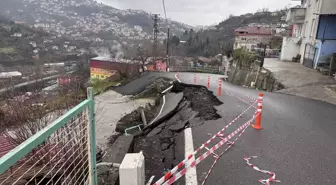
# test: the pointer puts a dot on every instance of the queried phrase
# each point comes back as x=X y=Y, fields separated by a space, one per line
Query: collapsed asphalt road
x=161 y=143
x=297 y=142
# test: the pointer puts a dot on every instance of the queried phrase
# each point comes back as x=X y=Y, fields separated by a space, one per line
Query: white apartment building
x=313 y=33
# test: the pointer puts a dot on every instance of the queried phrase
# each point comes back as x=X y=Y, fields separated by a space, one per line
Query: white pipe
x=117 y=165
x=177 y=78
x=167 y=89
x=164 y=102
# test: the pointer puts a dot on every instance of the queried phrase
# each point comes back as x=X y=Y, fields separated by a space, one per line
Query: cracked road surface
x=297 y=142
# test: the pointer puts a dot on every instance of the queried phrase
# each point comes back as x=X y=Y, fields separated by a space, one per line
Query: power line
x=165 y=12
x=164 y=9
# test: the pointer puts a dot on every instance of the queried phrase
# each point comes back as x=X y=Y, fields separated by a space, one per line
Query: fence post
x=257 y=125
x=92 y=137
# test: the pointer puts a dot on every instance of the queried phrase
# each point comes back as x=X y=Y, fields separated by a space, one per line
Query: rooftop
x=254 y=30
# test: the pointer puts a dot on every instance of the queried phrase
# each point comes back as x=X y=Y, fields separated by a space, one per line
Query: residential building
x=250 y=37
x=102 y=68
x=313 y=34
x=12 y=74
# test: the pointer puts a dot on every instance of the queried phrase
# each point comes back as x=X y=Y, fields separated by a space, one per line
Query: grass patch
x=7 y=50
x=100 y=86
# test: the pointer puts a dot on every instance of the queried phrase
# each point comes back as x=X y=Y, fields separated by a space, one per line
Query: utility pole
x=168 y=38
x=156 y=31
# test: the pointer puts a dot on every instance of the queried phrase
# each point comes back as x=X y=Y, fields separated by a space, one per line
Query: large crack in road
x=163 y=145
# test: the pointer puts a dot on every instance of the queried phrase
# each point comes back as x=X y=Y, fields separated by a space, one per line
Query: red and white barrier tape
x=248 y=103
x=266 y=181
x=179 y=174
x=220 y=155
x=252 y=98
x=181 y=164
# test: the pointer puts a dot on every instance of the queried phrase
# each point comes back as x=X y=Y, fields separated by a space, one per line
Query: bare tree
x=142 y=56
x=127 y=70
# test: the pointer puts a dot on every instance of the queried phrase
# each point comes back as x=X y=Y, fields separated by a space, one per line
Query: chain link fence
x=61 y=153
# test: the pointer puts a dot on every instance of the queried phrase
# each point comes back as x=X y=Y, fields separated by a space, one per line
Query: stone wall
x=248 y=76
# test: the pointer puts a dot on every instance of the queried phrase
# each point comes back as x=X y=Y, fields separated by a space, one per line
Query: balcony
x=296 y=15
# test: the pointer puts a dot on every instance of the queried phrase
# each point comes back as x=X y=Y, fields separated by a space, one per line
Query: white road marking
x=191 y=175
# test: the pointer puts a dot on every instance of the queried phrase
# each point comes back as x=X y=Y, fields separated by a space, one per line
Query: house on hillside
x=313 y=35
x=17 y=35
x=250 y=37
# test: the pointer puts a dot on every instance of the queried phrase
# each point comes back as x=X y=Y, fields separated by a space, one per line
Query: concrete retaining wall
x=247 y=76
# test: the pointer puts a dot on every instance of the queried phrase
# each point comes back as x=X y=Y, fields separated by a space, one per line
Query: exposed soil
x=163 y=146
x=202 y=100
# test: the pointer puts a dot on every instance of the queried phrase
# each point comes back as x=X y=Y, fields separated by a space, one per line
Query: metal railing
x=64 y=152
x=200 y=69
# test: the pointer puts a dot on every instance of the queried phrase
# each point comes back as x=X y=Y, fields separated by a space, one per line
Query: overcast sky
x=199 y=12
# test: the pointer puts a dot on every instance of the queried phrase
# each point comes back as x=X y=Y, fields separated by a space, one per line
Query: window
x=243 y=38
x=312 y=29
x=304 y=32
x=299 y=31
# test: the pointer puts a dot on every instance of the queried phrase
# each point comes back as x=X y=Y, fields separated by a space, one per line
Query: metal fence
x=200 y=69
x=64 y=152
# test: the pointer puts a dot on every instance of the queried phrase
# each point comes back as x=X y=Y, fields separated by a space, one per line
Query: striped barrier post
x=219 y=87
x=195 y=79
x=257 y=124
x=208 y=82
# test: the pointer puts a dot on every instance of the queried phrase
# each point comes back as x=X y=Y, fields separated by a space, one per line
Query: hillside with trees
x=220 y=38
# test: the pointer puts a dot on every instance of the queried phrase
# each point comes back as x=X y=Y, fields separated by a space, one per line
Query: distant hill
x=21 y=44
x=86 y=19
x=15 y=40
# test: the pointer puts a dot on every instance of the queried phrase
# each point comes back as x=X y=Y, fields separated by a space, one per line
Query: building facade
x=250 y=37
x=313 y=35
x=103 y=68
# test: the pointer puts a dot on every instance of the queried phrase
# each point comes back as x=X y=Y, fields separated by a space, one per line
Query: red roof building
x=249 y=37
x=253 y=31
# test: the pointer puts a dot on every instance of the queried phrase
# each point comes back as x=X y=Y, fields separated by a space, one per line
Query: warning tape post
x=257 y=125
x=208 y=82
x=195 y=79
x=219 y=87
